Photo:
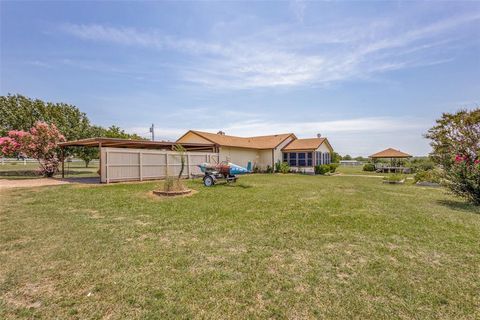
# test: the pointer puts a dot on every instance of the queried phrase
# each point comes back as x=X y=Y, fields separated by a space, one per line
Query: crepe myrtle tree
x=40 y=143
x=456 y=147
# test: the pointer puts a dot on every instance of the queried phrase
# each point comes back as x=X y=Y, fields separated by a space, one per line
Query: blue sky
x=368 y=75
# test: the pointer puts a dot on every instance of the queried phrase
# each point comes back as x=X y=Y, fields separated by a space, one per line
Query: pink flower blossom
x=459 y=158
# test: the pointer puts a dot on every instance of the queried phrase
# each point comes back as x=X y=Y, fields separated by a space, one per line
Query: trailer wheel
x=208 y=181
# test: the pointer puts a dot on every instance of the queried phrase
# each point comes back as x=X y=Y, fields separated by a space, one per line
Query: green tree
x=456 y=148
x=347 y=157
x=18 y=112
x=116 y=132
x=90 y=153
x=336 y=157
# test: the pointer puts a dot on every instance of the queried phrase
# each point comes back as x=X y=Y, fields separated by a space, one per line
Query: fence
x=119 y=164
x=4 y=161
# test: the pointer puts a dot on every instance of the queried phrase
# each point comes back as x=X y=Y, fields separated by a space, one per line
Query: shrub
x=418 y=165
x=269 y=169
x=333 y=167
x=40 y=143
x=284 y=168
x=463 y=178
x=427 y=176
x=456 y=147
x=322 y=169
x=277 y=166
x=369 y=167
x=394 y=177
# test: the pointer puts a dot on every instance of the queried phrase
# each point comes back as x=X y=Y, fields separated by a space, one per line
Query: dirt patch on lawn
x=30 y=183
x=43 y=182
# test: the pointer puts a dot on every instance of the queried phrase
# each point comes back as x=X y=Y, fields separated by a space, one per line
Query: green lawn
x=272 y=246
x=358 y=170
x=28 y=171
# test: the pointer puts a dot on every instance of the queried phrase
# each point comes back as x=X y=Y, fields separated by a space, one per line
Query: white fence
x=4 y=161
x=118 y=164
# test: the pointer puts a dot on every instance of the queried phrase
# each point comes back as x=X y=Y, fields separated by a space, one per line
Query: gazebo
x=392 y=154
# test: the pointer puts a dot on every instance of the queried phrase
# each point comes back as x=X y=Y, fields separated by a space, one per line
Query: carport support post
x=63 y=163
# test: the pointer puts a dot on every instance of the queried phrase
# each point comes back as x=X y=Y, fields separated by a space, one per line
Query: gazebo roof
x=390 y=153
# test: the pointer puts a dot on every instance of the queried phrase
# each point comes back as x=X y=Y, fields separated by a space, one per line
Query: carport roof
x=135 y=144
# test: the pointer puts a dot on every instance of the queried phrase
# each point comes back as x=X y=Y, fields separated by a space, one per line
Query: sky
x=367 y=75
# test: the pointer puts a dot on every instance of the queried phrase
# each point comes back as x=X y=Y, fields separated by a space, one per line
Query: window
x=298 y=159
x=318 y=160
x=301 y=159
x=292 y=159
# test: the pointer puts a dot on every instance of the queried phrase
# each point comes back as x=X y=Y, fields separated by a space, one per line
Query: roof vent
x=221 y=133
x=319 y=135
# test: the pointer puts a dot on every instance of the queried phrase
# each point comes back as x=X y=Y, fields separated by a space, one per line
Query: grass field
x=28 y=171
x=272 y=246
x=358 y=170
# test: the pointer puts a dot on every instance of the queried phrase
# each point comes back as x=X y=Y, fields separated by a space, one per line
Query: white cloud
x=298 y=7
x=292 y=55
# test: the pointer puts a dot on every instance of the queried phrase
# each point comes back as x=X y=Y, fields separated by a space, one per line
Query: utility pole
x=152 y=131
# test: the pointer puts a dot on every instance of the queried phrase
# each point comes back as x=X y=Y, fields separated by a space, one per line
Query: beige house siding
x=277 y=152
x=191 y=137
x=323 y=148
x=240 y=156
x=265 y=159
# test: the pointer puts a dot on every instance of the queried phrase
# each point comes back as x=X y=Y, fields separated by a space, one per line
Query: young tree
x=181 y=151
x=456 y=147
x=40 y=143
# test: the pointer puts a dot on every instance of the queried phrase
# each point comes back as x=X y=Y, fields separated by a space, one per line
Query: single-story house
x=263 y=151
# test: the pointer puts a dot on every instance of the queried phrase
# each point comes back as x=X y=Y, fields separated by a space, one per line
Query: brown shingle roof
x=390 y=153
x=305 y=144
x=260 y=142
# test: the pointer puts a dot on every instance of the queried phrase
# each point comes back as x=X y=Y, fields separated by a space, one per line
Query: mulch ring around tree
x=172 y=194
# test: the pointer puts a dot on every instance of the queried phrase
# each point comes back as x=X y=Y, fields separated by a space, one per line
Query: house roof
x=306 y=144
x=137 y=144
x=259 y=142
x=390 y=153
